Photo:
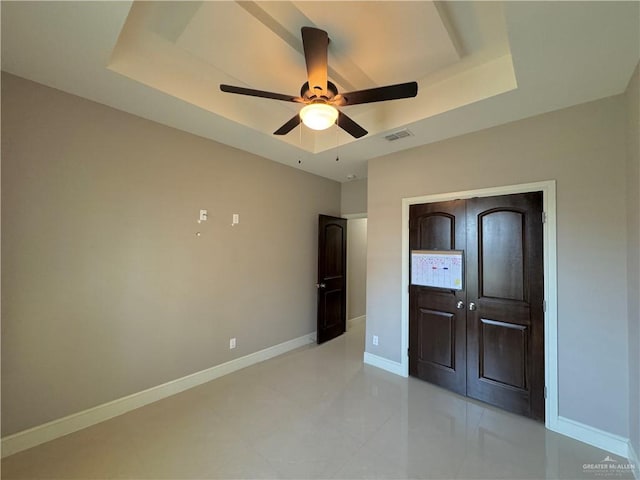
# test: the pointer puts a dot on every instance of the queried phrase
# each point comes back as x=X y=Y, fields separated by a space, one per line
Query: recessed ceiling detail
x=494 y=63
x=187 y=49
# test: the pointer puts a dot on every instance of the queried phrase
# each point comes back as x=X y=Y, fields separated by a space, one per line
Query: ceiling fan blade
x=379 y=94
x=287 y=127
x=260 y=93
x=316 y=43
x=349 y=126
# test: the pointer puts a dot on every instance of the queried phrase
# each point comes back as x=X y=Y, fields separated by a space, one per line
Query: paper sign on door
x=437 y=268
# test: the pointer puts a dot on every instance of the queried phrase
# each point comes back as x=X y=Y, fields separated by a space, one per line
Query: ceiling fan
x=320 y=96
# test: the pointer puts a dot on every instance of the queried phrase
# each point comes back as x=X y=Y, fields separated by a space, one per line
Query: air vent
x=392 y=137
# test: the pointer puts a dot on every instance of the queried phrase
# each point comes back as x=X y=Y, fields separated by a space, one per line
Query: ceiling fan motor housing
x=310 y=96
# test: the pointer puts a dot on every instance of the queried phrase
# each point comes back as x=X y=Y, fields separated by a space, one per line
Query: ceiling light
x=319 y=116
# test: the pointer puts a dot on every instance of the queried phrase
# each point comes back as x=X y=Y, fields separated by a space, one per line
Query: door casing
x=548 y=189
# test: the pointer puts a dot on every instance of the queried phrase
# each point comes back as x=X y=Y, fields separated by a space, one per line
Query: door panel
x=502 y=258
x=437 y=230
x=333 y=308
x=333 y=254
x=436 y=325
x=503 y=353
x=436 y=333
x=493 y=350
x=505 y=333
x=332 y=268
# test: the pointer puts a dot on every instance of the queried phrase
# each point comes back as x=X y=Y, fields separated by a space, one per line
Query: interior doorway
x=356 y=270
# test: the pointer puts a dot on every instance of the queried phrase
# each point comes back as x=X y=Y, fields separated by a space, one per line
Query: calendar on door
x=437 y=268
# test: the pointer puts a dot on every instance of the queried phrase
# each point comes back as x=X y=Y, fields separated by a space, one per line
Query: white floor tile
x=316 y=412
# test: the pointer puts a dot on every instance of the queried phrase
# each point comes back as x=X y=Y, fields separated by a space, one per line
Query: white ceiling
x=478 y=64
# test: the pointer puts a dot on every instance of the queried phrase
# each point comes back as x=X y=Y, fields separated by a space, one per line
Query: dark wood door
x=332 y=277
x=499 y=336
x=437 y=317
x=505 y=294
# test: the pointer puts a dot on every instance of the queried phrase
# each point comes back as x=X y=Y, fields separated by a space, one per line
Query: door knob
x=460 y=305
x=472 y=306
x=320 y=285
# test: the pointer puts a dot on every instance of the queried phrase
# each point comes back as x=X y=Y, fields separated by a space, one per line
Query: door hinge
x=544 y=217
x=408 y=355
x=545 y=391
x=544 y=306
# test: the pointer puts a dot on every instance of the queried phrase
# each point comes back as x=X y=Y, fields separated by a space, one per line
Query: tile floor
x=316 y=412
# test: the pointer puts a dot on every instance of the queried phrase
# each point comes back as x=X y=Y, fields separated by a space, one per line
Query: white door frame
x=548 y=189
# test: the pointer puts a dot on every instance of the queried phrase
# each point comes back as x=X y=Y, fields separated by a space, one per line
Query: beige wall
x=633 y=251
x=583 y=149
x=356 y=267
x=106 y=290
x=354 y=197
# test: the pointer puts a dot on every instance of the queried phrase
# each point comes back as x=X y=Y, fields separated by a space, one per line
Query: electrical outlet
x=375 y=339
x=232 y=343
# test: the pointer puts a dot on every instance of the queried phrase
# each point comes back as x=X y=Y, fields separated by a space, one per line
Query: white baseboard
x=384 y=364
x=77 y=421
x=634 y=460
x=352 y=322
x=592 y=436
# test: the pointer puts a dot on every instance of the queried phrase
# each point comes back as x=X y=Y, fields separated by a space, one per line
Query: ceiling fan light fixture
x=321 y=96
x=319 y=116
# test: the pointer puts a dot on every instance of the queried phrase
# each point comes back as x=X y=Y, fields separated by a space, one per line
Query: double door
x=485 y=340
